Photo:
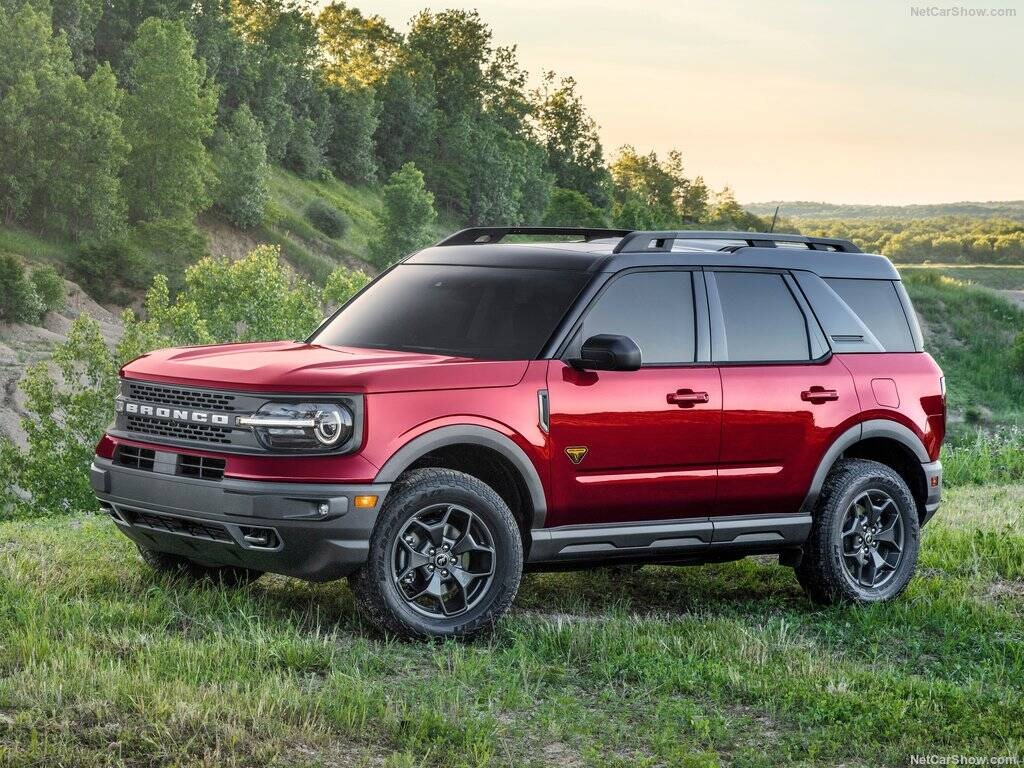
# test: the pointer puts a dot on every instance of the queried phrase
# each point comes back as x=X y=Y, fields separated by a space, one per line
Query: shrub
x=50 y=287
x=569 y=208
x=343 y=284
x=19 y=300
x=1017 y=353
x=172 y=246
x=243 y=186
x=101 y=267
x=325 y=217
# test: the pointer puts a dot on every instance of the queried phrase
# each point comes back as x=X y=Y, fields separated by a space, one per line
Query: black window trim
x=588 y=298
x=718 y=318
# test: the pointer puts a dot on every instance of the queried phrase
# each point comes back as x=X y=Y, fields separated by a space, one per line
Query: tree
x=354 y=120
x=169 y=113
x=456 y=45
x=408 y=216
x=343 y=284
x=358 y=49
x=242 y=169
x=569 y=134
x=408 y=119
x=569 y=208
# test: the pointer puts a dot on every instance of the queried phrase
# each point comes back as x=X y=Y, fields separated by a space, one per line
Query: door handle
x=686 y=398
x=818 y=395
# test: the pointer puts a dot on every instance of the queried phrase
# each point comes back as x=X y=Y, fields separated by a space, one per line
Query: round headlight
x=331 y=424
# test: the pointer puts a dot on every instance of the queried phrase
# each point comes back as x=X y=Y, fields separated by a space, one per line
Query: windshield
x=490 y=313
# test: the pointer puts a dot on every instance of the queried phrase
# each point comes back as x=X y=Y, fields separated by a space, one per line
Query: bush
x=172 y=245
x=325 y=217
x=569 y=208
x=19 y=300
x=50 y=287
x=1017 y=353
x=343 y=284
x=243 y=186
x=102 y=267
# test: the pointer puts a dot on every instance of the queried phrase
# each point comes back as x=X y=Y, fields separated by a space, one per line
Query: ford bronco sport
x=483 y=408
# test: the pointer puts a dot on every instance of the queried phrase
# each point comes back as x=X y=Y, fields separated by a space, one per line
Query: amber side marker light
x=365 y=502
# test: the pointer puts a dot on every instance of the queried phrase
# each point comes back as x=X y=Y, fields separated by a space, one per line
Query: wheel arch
x=882 y=440
x=443 y=440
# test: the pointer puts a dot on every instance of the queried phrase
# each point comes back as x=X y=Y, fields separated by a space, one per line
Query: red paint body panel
x=916 y=376
x=773 y=439
x=646 y=457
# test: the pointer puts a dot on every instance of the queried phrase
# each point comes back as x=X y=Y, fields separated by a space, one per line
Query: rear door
x=783 y=395
x=630 y=446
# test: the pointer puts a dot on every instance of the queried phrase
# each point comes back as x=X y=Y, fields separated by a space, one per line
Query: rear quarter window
x=878 y=305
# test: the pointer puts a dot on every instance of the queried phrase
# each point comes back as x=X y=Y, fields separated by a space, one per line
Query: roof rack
x=482 y=235
x=654 y=241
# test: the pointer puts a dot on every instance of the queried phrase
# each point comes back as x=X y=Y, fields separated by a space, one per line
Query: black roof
x=612 y=250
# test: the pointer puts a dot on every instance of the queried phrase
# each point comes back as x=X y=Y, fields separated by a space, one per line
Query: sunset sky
x=854 y=101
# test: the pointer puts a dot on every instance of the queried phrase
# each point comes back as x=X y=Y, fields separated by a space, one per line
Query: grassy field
x=103 y=664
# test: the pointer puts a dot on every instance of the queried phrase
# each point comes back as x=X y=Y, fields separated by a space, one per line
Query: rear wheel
x=865 y=538
x=445 y=558
x=177 y=566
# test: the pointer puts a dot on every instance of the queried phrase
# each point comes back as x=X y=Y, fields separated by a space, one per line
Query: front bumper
x=311 y=531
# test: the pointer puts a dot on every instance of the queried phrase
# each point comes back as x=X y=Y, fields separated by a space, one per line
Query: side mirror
x=607 y=352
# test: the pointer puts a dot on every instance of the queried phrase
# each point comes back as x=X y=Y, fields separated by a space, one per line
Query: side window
x=761 y=319
x=879 y=308
x=655 y=309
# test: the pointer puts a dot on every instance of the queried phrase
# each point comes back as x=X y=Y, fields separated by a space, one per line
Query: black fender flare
x=887 y=428
x=470 y=434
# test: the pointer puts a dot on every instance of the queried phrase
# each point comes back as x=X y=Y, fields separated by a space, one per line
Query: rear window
x=488 y=313
x=763 y=322
x=878 y=305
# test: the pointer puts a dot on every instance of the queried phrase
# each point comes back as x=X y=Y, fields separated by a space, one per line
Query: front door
x=632 y=446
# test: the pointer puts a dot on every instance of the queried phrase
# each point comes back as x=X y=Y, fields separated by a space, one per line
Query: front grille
x=208 y=433
x=202 y=467
x=179 y=525
x=185 y=398
x=136 y=458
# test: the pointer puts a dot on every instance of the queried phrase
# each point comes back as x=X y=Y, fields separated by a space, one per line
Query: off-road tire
x=374 y=585
x=180 y=567
x=822 y=570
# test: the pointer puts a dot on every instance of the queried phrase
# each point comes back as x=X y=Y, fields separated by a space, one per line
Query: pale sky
x=855 y=101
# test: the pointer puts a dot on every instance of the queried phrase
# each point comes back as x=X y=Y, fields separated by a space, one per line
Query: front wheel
x=445 y=559
x=865 y=538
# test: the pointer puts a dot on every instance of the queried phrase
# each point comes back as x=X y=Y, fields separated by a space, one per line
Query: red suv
x=483 y=408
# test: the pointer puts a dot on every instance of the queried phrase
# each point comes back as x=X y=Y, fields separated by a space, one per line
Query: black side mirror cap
x=607 y=352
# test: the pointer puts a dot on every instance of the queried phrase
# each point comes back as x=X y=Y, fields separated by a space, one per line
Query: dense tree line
x=941 y=239
x=120 y=122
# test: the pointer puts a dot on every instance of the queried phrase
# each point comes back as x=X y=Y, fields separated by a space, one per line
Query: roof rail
x=654 y=241
x=482 y=235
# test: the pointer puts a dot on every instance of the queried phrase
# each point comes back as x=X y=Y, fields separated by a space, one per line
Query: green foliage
x=408 y=214
x=570 y=137
x=253 y=299
x=302 y=154
x=243 y=173
x=70 y=401
x=569 y=208
x=408 y=120
x=19 y=300
x=343 y=284
x=61 y=146
x=941 y=239
x=354 y=120
x=983 y=458
x=1017 y=353
x=169 y=113
x=49 y=287
x=170 y=245
x=326 y=218
x=103 y=267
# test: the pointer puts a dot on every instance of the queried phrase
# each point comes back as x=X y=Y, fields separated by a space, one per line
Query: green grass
x=101 y=663
x=35 y=248
x=1000 y=277
x=969 y=331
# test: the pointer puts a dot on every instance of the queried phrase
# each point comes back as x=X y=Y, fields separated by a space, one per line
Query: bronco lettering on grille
x=172 y=414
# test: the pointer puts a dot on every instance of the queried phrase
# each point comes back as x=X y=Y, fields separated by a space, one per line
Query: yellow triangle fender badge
x=576 y=453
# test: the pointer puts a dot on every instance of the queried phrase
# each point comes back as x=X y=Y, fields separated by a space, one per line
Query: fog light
x=365 y=502
x=324 y=509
